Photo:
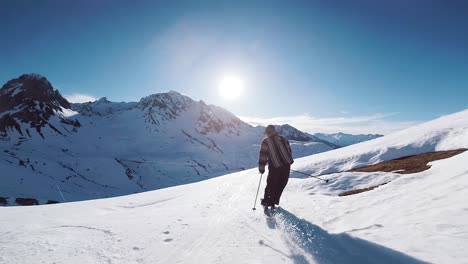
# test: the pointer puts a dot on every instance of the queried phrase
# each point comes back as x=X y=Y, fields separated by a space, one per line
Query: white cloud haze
x=80 y=98
x=372 y=124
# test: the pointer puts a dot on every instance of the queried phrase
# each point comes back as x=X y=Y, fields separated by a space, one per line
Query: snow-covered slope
x=445 y=133
x=415 y=218
x=343 y=140
x=53 y=150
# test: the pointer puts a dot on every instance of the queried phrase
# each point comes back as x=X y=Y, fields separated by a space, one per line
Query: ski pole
x=316 y=177
x=258 y=189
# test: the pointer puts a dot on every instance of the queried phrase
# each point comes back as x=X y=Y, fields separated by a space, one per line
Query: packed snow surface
x=415 y=218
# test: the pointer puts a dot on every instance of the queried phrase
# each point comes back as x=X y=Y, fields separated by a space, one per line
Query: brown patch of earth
x=356 y=191
x=404 y=165
x=410 y=164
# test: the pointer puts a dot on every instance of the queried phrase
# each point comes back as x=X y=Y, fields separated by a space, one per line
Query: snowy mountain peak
x=293 y=133
x=174 y=93
x=31 y=86
x=163 y=107
x=32 y=76
x=103 y=100
x=172 y=101
x=29 y=102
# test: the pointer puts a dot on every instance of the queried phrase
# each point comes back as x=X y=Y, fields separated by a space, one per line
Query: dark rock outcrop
x=32 y=100
x=26 y=201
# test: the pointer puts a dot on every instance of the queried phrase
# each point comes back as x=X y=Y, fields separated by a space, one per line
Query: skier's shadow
x=336 y=248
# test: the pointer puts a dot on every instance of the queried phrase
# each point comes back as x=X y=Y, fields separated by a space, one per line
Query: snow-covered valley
x=414 y=218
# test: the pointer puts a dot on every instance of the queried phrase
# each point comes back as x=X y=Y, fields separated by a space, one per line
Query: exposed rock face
x=26 y=201
x=3 y=201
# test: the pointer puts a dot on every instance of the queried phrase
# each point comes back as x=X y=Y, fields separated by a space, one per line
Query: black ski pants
x=276 y=182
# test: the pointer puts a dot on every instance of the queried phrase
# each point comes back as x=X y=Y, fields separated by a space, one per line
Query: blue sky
x=386 y=65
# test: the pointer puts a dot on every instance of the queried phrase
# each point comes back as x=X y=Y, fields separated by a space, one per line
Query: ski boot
x=266 y=210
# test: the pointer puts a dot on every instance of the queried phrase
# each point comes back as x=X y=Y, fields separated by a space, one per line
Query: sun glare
x=231 y=87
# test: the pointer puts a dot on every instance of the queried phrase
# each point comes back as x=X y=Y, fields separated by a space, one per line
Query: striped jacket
x=275 y=151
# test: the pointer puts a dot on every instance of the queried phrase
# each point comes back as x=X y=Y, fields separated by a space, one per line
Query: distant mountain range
x=343 y=140
x=50 y=147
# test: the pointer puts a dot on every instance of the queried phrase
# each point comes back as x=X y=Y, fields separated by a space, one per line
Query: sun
x=231 y=87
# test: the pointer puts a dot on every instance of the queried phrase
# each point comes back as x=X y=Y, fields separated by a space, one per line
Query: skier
x=275 y=151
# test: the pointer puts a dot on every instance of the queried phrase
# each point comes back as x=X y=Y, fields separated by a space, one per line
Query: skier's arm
x=263 y=157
